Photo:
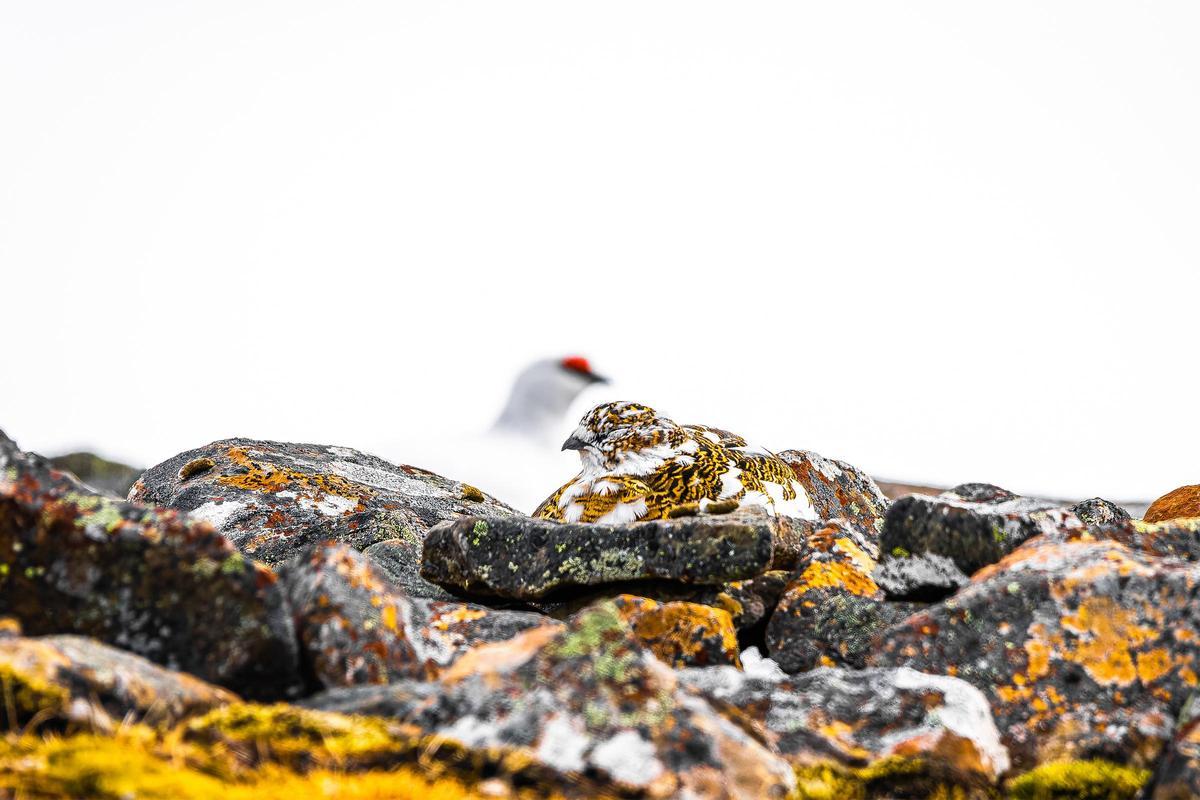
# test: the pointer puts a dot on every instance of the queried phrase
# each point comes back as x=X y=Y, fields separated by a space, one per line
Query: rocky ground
x=288 y=620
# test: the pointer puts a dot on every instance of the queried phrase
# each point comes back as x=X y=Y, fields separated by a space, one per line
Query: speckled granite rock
x=400 y=563
x=1177 y=538
x=924 y=577
x=838 y=490
x=357 y=627
x=524 y=558
x=1084 y=649
x=590 y=702
x=1181 y=503
x=1099 y=511
x=974 y=524
x=150 y=581
x=681 y=634
x=895 y=732
x=832 y=607
x=72 y=679
x=274 y=499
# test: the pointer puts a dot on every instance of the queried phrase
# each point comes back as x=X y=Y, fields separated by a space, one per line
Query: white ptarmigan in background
x=519 y=456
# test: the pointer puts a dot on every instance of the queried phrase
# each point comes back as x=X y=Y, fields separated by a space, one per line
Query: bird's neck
x=531 y=415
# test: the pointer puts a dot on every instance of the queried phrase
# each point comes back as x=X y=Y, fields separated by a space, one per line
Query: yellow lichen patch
x=27 y=695
x=457 y=616
x=837 y=575
x=1107 y=634
x=267 y=478
x=856 y=554
x=1153 y=664
x=1087 y=780
x=195 y=467
x=682 y=634
x=906 y=777
x=469 y=492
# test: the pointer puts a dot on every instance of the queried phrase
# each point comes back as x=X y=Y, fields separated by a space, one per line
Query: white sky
x=944 y=241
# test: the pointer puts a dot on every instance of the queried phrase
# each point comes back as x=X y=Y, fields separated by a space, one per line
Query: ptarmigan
x=639 y=465
x=518 y=457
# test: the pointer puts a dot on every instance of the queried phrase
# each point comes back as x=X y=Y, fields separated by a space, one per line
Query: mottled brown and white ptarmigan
x=639 y=465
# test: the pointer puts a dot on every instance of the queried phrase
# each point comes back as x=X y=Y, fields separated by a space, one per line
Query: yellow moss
x=469 y=492
x=832 y=781
x=299 y=737
x=24 y=696
x=1078 y=780
x=195 y=467
x=134 y=764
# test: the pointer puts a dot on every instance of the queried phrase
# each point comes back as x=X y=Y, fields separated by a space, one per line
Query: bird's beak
x=574 y=443
x=594 y=378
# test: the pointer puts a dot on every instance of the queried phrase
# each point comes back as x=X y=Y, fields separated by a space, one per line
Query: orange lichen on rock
x=837 y=575
x=1180 y=503
x=682 y=634
x=261 y=476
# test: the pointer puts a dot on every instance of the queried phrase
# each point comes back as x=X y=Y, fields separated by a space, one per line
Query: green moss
x=907 y=777
x=1078 y=780
x=900 y=552
x=234 y=564
x=480 y=530
x=592 y=627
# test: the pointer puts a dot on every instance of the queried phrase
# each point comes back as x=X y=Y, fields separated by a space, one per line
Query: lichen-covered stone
x=400 y=563
x=1181 y=503
x=1177 y=538
x=524 y=558
x=832 y=607
x=72 y=679
x=110 y=477
x=1086 y=650
x=151 y=581
x=357 y=627
x=1087 y=779
x=681 y=634
x=1098 y=511
x=974 y=524
x=586 y=701
x=274 y=499
x=849 y=720
x=838 y=490
x=923 y=577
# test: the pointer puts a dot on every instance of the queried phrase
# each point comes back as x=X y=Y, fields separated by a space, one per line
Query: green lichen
x=592 y=628
x=234 y=564
x=1079 y=780
x=480 y=530
x=900 y=552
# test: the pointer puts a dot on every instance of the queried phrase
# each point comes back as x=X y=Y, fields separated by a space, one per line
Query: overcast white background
x=944 y=241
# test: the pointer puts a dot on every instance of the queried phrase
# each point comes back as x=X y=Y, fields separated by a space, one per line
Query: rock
x=681 y=634
x=1177 y=538
x=357 y=627
x=859 y=732
x=590 y=703
x=400 y=563
x=838 y=490
x=151 y=581
x=974 y=524
x=108 y=477
x=1181 y=503
x=1177 y=776
x=273 y=499
x=832 y=607
x=1099 y=511
x=528 y=559
x=1086 y=650
x=924 y=577
x=84 y=682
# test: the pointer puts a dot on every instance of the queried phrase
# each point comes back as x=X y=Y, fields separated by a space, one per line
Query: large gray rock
x=973 y=524
x=590 y=703
x=848 y=720
x=151 y=581
x=838 y=490
x=524 y=558
x=274 y=499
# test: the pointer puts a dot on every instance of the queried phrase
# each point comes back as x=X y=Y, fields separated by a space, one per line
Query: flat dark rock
x=525 y=558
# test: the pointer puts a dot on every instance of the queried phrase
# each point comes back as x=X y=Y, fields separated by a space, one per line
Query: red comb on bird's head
x=580 y=366
x=577 y=364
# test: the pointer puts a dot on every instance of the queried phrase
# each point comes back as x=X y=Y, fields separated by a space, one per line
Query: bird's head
x=613 y=433
x=542 y=394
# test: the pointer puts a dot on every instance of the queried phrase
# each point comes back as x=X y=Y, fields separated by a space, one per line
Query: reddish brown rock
x=151 y=581
x=1181 y=503
x=838 y=490
x=681 y=634
x=356 y=627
